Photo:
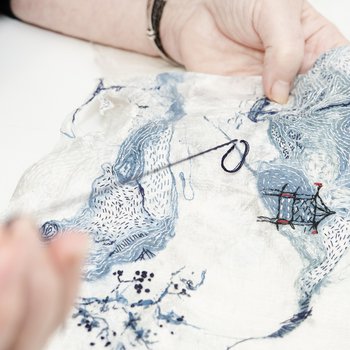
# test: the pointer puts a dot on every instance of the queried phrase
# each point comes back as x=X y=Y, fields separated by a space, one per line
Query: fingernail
x=280 y=91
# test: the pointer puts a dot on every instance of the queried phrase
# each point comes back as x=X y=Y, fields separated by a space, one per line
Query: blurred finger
x=52 y=285
x=13 y=261
x=41 y=290
x=2 y=232
x=68 y=254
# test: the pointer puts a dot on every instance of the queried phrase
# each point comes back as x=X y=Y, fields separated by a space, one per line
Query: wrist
x=175 y=16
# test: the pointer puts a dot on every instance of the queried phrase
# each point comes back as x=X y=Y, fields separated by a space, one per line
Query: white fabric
x=247 y=249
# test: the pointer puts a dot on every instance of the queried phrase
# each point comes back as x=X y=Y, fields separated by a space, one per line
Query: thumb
x=279 y=27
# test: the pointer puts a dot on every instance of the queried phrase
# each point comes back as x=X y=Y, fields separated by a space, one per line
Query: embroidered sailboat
x=298 y=209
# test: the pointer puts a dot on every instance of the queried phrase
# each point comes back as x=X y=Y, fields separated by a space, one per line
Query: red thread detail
x=287 y=195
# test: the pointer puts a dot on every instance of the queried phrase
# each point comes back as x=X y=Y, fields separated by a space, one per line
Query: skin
x=274 y=38
x=38 y=283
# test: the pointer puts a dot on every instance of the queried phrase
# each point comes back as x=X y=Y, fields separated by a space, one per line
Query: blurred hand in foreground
x=38 y=283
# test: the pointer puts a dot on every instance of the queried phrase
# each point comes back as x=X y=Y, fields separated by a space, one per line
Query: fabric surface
x=217 y=217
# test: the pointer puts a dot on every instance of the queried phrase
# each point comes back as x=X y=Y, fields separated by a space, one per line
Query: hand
x=275 y=38
x=38 y=284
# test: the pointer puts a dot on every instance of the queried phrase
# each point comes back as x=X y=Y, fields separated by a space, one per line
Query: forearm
x=117 y=23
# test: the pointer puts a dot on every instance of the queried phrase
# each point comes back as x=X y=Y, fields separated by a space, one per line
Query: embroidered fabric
x=215 y=214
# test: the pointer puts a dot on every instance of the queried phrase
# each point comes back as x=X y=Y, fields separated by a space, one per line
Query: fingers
x=68 y=254
x=320 y=36
x=12 y=266
x=278 y=24
x=38 y=284
x=42 y=292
